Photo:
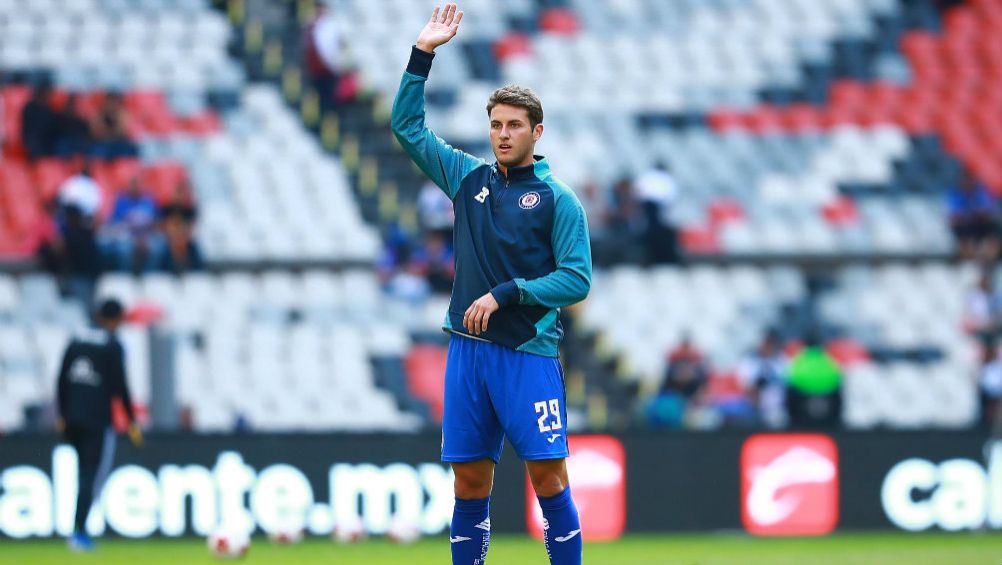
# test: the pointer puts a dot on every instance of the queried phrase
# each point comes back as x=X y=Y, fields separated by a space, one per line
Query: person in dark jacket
x=91 y=374
x=38 y=124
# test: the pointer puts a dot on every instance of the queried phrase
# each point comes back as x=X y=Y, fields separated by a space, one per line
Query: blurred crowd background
x=793 y=205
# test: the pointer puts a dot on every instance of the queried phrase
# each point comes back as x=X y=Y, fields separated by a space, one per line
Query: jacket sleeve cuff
x=506 y=293
x=420 y=62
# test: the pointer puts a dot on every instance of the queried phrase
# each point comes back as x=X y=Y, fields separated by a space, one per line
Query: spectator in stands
x=72 y=130
x=46 y=241
x=327 y=58
x=814 y=387
x=82 y=192
x=131 y=230
x=181 y=253
x=83 y=262
x=402 y=266
x=763 y=375
x=687 y=372
x=973 y=219
x=435 y=211
x=685 y=378
x=38 y=124
x=408 y=282
x=656 y=190
x=625 y=222
x=110 y=130
x=595 y=207
x=983 y=311
x=990 y=386
x=439 y=261
x=181 y=203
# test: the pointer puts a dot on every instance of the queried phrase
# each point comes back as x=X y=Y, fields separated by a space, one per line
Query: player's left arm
x=568 y=284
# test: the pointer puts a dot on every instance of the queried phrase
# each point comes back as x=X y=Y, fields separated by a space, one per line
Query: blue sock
x=470 y=535
x=561 y=528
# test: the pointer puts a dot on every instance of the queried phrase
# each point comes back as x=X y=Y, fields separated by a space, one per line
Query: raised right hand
x=439 y=30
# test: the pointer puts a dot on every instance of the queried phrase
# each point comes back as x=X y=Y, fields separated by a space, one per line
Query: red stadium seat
x=146 y=102
x=513 y=45
x=725 y=210
x=425 y=366
x=123 y=171
x=161 y=179
x=834 y=116
x=802 y=118
x=16 y=177
x=89 y=103
x=14 y=98
x=840 y=211
x=847 y=352
x=201 y=124
x=724 y=119
x=700 y=240
x=145 y=313
x=49 y=174
x=849 y=94
x=765 y=119
x=559 y=20
x=724 y=386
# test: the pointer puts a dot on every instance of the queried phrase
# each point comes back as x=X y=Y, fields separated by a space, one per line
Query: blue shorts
x=493 y=391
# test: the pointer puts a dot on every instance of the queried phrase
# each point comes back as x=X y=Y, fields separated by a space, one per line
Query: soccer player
x=92 y=373
x=522 y=252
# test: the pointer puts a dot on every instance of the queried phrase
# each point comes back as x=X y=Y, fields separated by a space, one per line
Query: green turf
x=843 y=549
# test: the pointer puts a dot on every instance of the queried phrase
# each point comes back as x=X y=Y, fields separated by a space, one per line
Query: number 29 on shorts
x=549 y=415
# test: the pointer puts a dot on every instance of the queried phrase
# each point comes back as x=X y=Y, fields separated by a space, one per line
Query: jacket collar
x=538 y=169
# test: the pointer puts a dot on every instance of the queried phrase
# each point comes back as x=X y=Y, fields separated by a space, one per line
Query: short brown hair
x=521 y=97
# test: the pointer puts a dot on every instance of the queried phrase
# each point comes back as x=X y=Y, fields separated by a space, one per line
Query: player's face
x=512 y=138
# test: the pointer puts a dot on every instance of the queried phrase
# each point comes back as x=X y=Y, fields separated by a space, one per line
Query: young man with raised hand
x=522 y=253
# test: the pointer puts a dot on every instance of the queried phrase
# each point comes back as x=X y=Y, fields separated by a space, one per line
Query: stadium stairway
x=384 y=181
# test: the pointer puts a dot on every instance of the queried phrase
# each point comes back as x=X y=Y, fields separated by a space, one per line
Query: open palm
x=440 y=29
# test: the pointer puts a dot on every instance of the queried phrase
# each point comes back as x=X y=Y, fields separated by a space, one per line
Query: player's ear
x=537 y=132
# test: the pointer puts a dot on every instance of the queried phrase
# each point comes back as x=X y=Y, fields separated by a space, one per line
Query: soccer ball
x=349 y=531
x=286 y=536
x=403 y=530
x=227 y=543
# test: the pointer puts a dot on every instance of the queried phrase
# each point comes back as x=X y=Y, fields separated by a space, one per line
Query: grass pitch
x=841 y=549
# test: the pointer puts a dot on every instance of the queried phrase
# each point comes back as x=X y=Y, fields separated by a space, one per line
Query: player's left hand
x=476 y=316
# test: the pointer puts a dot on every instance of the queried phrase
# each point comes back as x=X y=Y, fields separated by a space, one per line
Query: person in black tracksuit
x=92 y=373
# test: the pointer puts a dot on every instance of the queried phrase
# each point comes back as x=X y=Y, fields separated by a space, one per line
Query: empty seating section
x=954 y=92
x=283 y=351
x=120 y=45
x=269 y=192
x=908 y=309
